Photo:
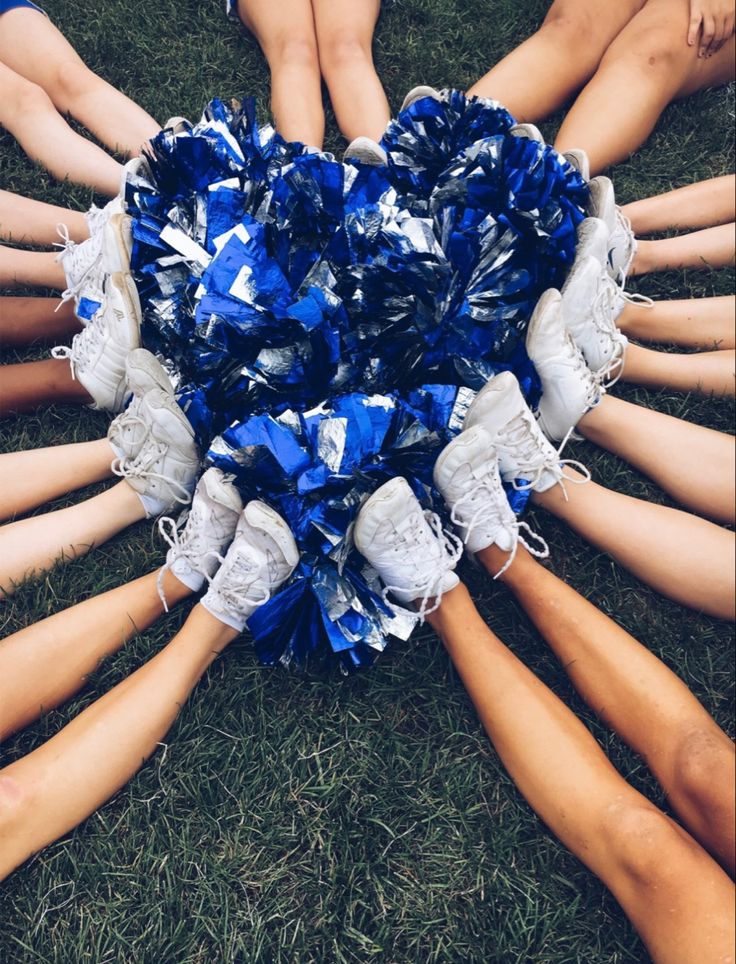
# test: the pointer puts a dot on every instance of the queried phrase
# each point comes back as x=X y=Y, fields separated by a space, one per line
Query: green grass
x=319 y=819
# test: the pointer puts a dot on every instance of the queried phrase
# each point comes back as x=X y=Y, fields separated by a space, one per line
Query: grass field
x=302 y=819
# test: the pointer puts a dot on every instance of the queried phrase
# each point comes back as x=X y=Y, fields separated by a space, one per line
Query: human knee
x=700 y=763
x=342 y=51
x=72 y=81
x=25 y=103
x=298 y=52
x=13 y=803
x=650 y=53
x=638 y=835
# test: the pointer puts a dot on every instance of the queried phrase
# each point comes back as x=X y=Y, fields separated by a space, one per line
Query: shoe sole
x=266 y=519
x=530 y=131
x=463 y=440
x=384 y=494
x=419 y=93
x=550 y=297
x=142 y=360
x=494 y=387
x=220 y=491
x=117 y=255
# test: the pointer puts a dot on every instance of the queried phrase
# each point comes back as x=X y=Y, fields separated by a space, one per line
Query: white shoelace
x=185 y=541
x=233 y=590
x=603 y=311
x=140 y=467
x=451 y=549
x=618 y=292
x=520 y=435
x=78 y=260
x=83 y=346
x=490 y=511
x=624 y=225
x=127 y=419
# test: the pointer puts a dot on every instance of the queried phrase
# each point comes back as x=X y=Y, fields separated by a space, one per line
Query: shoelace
x=520 y=435
x=77 y=260
x=185 y=541
x=603 y=310
x=451 y=549
x=629 y=297
x=489 y=511
x=83 y=346
x=624 y=225
x=233 y=591
x=140 y=468
x=130 y=417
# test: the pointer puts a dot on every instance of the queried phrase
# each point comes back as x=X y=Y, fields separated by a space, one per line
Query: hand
x=716 y=18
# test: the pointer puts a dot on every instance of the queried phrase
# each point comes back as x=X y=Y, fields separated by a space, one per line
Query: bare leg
x=30 y=384
x=25 y=221
x=709 y=372
x=344 y=37
x=536 y=78
x=287 y=37
x=45 y=664
x=30 y=116
x=688 y=559
x=33 y=545
x=709 y=248
x=699 y=205
x=45 y=794
x=683 y=906
x=637 y=696
x=38 y=269
x=32 y=46
x=693 y=464
x=691 y=322
x=31 y=478
x=648 y=65
x=26 y=320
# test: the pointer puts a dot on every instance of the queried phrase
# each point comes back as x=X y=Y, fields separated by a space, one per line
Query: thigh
x=346 y=20
x=657 y=38
x=276 y=22
x=33 y=47
x=599 y=21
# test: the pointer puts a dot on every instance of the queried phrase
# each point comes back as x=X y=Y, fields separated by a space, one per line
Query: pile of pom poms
x=327 y=324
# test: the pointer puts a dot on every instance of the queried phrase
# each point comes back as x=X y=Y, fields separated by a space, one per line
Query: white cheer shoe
x=262 y=556
x=203 y=533
x=407 y=546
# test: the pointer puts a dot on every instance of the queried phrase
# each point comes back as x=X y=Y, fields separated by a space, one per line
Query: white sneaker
x=418 y=93
x=622 y=244
x=128 y=431
x=593 y=236
x=261 y=558
x=467 y=475
x=525 y=457
x=578 y=159
x=97 y=354
x=530 y=131
x=589 y=311
x=86 y=265
x=365 y=151
x=407 y=546
x=202 y=534
x=569 y=387
x=164 y=469
x=97 y=218
x=177 y=125
x=136 y=170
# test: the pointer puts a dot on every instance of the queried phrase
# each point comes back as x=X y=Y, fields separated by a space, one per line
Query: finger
x=709 y=27
x=716 y=42
x=695 y=19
